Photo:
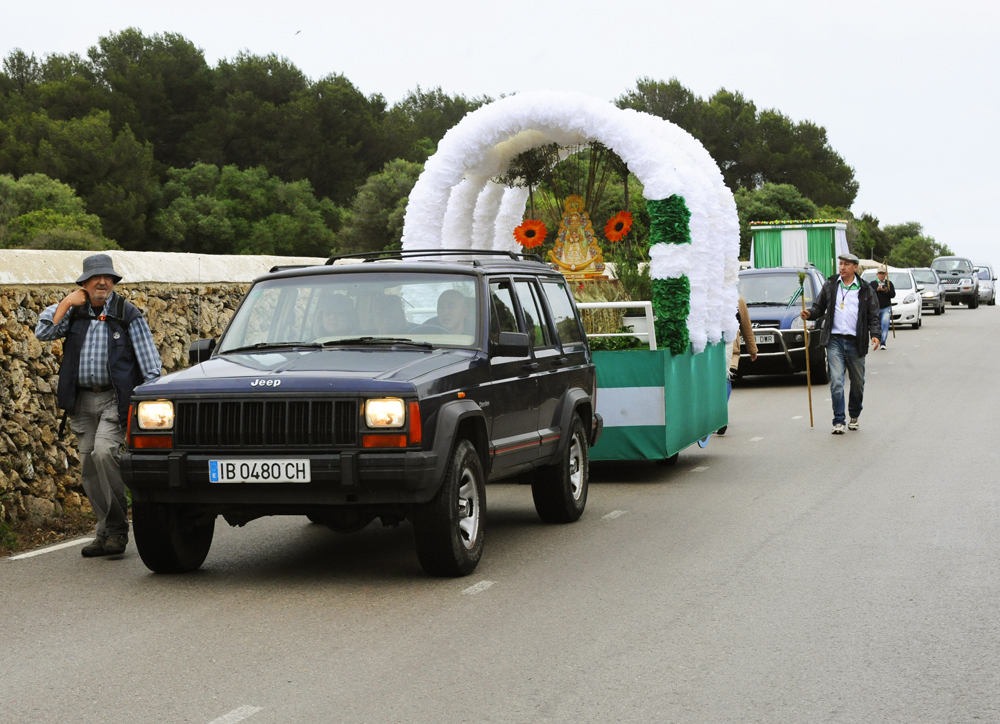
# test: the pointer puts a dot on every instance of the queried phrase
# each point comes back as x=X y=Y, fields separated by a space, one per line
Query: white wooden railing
x=649 y=334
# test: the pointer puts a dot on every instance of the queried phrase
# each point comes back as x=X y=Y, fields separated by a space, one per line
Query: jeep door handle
x=530 y=367
x=559 y=361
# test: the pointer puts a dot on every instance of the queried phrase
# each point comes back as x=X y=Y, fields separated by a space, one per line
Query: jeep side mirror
x=201 y=350
x=512 y=344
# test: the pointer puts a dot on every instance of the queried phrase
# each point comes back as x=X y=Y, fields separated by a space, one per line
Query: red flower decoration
x=618 y=226
x=531 y=233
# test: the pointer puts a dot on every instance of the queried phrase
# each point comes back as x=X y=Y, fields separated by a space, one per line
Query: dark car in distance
x=774 y=300
x=390 y=389
x=932 y=295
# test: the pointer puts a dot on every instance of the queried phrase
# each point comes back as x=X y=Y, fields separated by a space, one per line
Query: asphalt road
x=781 y=574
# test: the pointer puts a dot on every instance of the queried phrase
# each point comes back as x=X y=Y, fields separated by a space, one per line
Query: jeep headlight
x=385 y=412
x=910 y=299
x=156 y=415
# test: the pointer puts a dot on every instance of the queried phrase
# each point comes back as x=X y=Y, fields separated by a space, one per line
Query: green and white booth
x=798 y=243
x=654 y=402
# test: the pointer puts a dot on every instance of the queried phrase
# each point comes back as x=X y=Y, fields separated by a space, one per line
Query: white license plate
x=763 y=338
x=259 y=471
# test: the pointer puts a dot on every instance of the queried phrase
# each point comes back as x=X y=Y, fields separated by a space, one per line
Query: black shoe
x=95 y=548
x=115 y=544
x=722 y=430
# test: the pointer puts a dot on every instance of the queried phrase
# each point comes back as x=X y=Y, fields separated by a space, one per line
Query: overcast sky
x=907 y=90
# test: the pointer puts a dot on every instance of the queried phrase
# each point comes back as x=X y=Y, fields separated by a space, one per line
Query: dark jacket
x=123 y=367
x=884 y=298
x=868 y=321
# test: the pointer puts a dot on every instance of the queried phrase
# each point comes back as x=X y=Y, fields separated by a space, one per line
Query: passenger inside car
x=453 y=313
x=337 y=316
x=390 y=318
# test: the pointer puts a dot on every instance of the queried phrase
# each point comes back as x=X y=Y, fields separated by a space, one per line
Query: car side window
x=563 y=317
x=534 y=318
x=503 y=314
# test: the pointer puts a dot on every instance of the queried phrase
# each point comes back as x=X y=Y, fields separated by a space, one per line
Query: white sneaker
x=853 y=424
x=838 y=429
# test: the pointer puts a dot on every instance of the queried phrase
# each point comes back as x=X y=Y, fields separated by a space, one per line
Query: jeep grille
x=266 y=424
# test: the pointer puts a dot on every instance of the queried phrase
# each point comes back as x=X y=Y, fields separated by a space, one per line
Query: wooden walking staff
x=805 y=330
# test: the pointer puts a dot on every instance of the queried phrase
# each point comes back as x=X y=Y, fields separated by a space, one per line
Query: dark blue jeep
x=394 y=388
x=774 y=300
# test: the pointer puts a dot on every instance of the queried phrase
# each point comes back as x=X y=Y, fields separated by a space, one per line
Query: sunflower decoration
x=618 y=226
x=531 y=233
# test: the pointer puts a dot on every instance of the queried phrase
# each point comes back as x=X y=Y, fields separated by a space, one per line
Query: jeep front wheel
x=560 y=490
x=170 y=539
x=449 y=530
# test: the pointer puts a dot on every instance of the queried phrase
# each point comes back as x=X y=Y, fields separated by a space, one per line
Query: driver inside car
x=453 y=313
x=338 y=316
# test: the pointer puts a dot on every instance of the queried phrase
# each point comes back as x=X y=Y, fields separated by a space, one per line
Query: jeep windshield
x=773 y=290
x=947 y=265
x=357 y=309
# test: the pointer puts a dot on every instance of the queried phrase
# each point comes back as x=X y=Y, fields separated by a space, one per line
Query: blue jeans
x=884 y=316
x=842 y=354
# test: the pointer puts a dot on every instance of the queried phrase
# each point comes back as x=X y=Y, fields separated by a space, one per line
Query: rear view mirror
x=201 y=350
x=512 y=344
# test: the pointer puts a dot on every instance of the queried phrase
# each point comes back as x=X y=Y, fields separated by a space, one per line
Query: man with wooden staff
x=885 y=291
x=854 y=320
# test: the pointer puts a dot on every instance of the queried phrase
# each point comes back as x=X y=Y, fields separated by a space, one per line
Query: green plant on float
x=617 y=344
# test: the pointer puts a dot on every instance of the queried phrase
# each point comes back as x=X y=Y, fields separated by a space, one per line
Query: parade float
x=798 y=243
x=655 y=401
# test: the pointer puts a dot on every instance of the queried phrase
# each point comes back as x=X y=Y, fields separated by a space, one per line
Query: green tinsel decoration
x=669 y=221
x=671 y=306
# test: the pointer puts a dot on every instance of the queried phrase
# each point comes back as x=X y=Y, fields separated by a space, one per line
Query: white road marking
x=615 y=514
x=237 y=715
x=828 y=399
x=796 y=417
x=891 y=363
x=756 y=439
x=60 y=546
x=699 y=469
x=478 y=588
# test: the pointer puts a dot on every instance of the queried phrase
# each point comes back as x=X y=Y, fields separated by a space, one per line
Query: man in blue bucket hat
x=108 y=351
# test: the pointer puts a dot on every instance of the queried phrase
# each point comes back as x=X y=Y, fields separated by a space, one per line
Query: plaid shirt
x=94 y=355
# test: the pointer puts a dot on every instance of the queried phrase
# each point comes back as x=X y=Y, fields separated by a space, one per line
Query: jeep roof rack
x=370 y=256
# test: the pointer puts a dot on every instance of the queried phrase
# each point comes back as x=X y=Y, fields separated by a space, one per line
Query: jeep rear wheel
x=449 y=530
x=169 y=538
x=560 y=490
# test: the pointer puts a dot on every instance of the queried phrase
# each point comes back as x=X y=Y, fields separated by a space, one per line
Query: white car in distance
x=906 y=305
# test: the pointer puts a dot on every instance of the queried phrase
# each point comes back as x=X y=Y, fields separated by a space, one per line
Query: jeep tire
x=169 y=539
x=560 y=490
x=449 y=530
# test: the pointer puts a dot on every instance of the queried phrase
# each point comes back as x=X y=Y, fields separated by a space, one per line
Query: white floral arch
x=455 y=205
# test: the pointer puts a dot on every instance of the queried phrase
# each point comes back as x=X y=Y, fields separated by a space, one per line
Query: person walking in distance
x=853 y=319
x=108 y=351
x=885 y=291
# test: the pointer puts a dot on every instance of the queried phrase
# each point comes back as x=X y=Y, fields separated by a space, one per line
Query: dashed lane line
x=699 y=469
x=615 y=514
x=796 y=417
x=478 y=588
x=756 y=439
x=58 y=547
x=237 y=715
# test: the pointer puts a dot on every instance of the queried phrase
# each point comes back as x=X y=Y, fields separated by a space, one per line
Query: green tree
x=421 y=119
x=915 y=251
x=41 y=213
x=228 y=211
x=375 y=220
x=113 y=173
x=751 y=147
x=771 y=202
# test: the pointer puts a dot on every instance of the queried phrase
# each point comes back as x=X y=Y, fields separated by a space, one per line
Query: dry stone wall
x=39 y=470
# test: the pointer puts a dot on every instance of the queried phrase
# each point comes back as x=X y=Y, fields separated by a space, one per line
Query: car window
x=563 y=316
x=925 y=277
x=534 y=319
x=503 y=317
x=985 y=274
x=951 y=265
x=781 y=289
x=900 y=280
x=440 y=309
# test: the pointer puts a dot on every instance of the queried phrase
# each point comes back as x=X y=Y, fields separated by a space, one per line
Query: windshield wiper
x=765 y=304
x=271 y=345
x=377 y=341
